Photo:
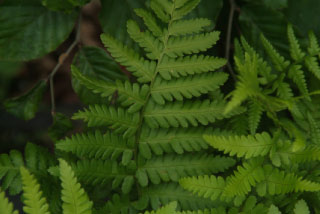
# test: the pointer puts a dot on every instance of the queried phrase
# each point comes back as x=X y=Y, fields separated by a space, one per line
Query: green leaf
x=75 y=199
x=295 y=50
x=191 y=44
x=127 y=94
x=152 y=46
x=184 y=114
x=34 y=202
x=163 y=193
x=120 y=11
x=6 y=207
x=301 y=207
x=33 y=32
x=186 y=87
x=273 y=210
x=116 y=119
x=98 y=146
x=61 y=125
x=173 y=167
x=204 y=186
x=299 y=12
x=26 y=106
x=167 y=209
x=242 y=146
x=95 y=63
x=183 y=27
x=256 y=19
x=141 y=68
x=58 y=5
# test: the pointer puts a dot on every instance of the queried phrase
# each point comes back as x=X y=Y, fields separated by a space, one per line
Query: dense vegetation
x=175 y=121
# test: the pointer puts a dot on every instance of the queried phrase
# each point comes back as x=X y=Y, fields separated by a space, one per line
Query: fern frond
x=191 y=44
x=295 y=50
x=188 y=87
x=164 y=193
x=314 y=129
x=169 y=208
x=242 y=146
x=34 y=202
x=205 y=186
x=280 y=182
x=129 y=95
x=98 y=146
x=184 y=66
x=117 y=204
x=287 y=156
x=278 y=61
x=313 y=66
x=248 y=84
x=98 y=172
x=151 y=45
x=159 y=141
x=273 y=210
x=183 y=114
x=173 y=167
x=116 y=119
x=142 y=69
x=244 y=178
x=313 y=48
x=283 y=90
x=187 y=7
x=183 y=27
x=162 y=9
x=35 y=159
x=297 y=75
x=254 y=116
x=6 y=207
x=301 y=207
x=10 y=171
x=75 y=199
x=150 y=21
x=220 y=210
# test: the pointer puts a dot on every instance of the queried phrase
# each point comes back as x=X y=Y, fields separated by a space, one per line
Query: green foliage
x=6 y=207
x=150 y=143
x=272 y=159
x=21 y=37
x=159 y=132
x=26 y=105
x=33 y=200
x=75 y=200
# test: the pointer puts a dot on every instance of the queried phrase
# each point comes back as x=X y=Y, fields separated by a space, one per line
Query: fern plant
x=151 y=136
x=282 y=160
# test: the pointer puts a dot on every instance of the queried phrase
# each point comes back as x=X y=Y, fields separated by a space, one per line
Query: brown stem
x=61 y=60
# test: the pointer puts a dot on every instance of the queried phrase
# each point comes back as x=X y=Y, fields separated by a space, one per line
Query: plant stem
x=228 y=37
x=61 y=60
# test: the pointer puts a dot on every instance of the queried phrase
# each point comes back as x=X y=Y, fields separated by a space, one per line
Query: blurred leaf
x=79 y=2
x=207 y=9
x=95 y=62
x=8 y=70
x=114 y=15
x=276 y=4
x=28 y=30
x=304 y=14
x=26 y=106
x=301 y=207
x=256 y=19
x=58 y=5
x=273 y=4
x=61 y=125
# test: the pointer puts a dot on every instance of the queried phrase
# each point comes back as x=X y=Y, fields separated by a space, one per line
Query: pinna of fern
x=152 y=134
x=267 y=155
x=74 y=198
